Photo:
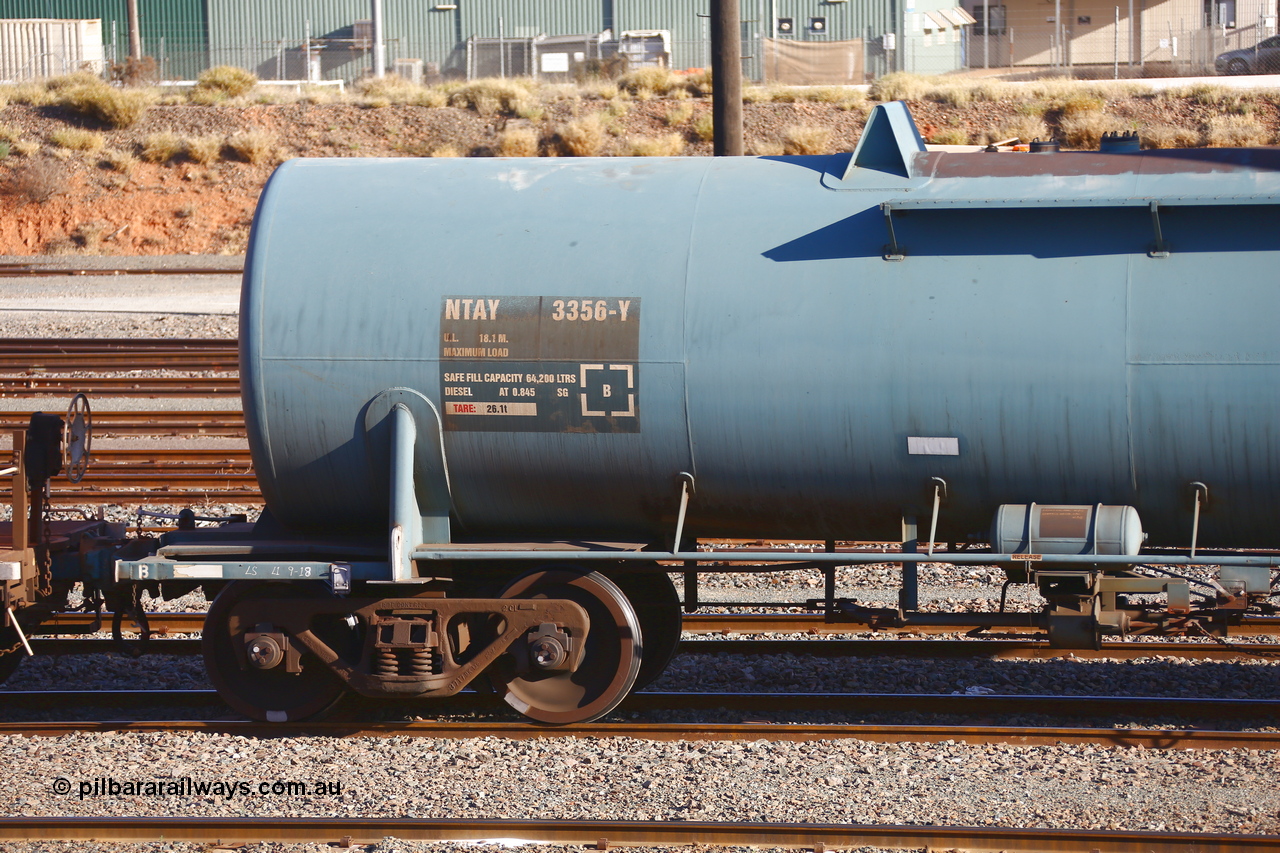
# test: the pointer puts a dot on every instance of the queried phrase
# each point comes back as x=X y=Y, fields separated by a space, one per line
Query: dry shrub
x=4 y=149
x=394 y=89
x=26 y=148
x=1023 y=128
x=226 y=80
x=118 y=161
x=9 y=134
x=899 y=86
x=37 y=182
x=34 y=94
x=447 y=150
x=805 y=139
x=76 y=139
x=678 y=115
x=667 y=145
x=762 y=148
x=603 y=90
x=1169 y=136
x=704 y=126
x=253 y=146
x=119 y=108
x=618 y=108
x=1235 y=132
x=518 y=142
x=161 y=147
x=135 y=72
x=203 y=149
x=583 y=137
x=1084 y=130
x=493 y=95
x=649 y=82
x=949 y=136
x=1081 y=103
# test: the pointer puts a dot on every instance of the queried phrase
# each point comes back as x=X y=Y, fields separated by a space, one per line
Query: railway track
x=117 y=354
x=685 y=731
x=993 y=706
x=694 y=623
x=602 y=834
x=921 y=649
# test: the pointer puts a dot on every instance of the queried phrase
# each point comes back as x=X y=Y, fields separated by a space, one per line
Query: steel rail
x=117 y=386
x=211 y=423
x=107 y=361
x=43 y=271
x=917 y=649
x=602 y=834
x=694 y=623
x=667 y=732
x=1059 y=706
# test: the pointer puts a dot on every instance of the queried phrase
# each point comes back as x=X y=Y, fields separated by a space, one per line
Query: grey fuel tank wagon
x=495 y=401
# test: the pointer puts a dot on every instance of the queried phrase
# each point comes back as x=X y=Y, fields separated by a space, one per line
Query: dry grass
x=1084 y=130
x=161 y=147
x=77 y=139
x=1235 y=132
x=1023 y=128
x=203 y=149
x=1169 y=136
x=118 y=161
x=949 y=136
x=667 y=145
x=645 y=83
x=900 y=86
x=492 y=95
x=805 y=139
x=705 y=127
x=447 y=150
x=118 y=108
x=678 y=115
x=26 y=148
x=394 y=89
x=583 y=137
x=1081 y=103
x=9 y=134
x=226 y=80
x=253 y=146
x=518 y=142
x=765 y=148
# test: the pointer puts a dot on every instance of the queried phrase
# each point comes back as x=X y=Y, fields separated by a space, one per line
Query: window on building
x=997 y=27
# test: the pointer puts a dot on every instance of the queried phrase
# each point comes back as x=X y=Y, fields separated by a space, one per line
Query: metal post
x=909 y=595
x=1059 y=58
x=135 y=31
x=726 y=77
x=986 y=33
x=379 y=49
x=1115 y=67
x=502 y=50
x=1131 y=33
x=306 y=51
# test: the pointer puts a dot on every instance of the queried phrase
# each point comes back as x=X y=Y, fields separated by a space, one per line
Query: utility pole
x=726 y=78
x=379 y=48
x=135 y=33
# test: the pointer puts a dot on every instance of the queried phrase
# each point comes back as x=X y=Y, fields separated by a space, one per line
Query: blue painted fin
x=888 y=141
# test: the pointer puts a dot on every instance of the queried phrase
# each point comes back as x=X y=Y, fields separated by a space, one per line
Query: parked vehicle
x=1262 y=58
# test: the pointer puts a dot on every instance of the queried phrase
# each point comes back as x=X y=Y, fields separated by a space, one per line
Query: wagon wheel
x=272 y=694
x=77 y=438
x=657 y=606
x=609 y=664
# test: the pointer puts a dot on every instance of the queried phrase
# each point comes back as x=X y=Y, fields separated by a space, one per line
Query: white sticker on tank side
x=919 y=445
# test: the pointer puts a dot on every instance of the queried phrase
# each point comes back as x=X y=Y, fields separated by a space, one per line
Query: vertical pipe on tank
x=406 y=517
x=726 y=78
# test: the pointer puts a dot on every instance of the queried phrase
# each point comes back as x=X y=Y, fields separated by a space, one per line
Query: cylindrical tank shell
x=1040 y=529
x=812 y=388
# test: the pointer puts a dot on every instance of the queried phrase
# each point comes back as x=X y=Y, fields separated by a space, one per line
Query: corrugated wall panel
x=173 y=31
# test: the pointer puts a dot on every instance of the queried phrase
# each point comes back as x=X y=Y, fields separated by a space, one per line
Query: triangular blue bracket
x=889 y=142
